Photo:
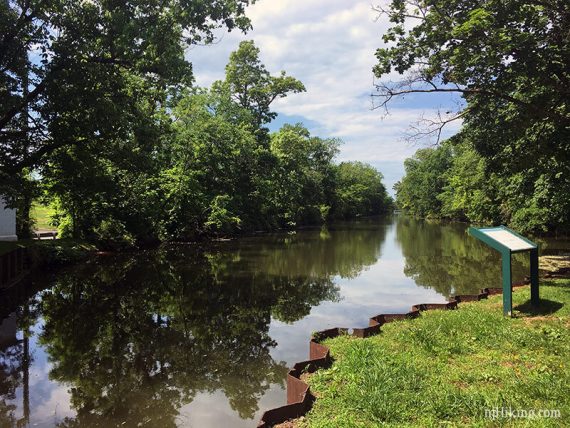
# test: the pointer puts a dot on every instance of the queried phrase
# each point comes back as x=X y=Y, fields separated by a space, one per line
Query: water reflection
x=137 y=337
x=442 y=256
x=184 y=336
x=12 y=366
x=143 y=335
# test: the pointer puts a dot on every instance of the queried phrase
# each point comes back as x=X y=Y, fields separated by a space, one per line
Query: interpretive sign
x=508 y=239
x=507 y=242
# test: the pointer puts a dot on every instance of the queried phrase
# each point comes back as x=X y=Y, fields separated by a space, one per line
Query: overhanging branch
x=388 y=93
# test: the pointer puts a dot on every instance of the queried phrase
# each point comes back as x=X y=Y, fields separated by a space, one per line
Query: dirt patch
x=531 y=320
x=554 y=264
x=460 y=384
x=294 y=423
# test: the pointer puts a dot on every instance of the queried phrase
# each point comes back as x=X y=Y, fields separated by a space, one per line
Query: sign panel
x=507 y=242
x=508 y=239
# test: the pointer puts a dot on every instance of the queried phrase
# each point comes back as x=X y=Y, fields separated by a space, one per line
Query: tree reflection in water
x=136 y=337
x=11 y=365
x=15 y=355
x=442 y=256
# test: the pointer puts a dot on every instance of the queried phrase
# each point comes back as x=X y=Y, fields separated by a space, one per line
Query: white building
x=7 y=223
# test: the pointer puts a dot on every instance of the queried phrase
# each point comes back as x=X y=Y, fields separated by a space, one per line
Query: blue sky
x=329 y=45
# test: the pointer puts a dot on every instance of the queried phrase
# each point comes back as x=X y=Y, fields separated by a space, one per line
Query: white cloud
x=329 y=45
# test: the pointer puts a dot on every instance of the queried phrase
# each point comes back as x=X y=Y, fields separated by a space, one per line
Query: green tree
x=303 y=174
x=359 y=191
x=469 y=193
x=252 y=87
x=91 y=50
x=509 y=61
x=214 y=163
x=515 y=54
x=79 y=73
x=418 y=190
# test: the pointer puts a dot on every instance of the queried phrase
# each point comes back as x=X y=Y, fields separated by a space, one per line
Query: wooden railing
x=45 y=234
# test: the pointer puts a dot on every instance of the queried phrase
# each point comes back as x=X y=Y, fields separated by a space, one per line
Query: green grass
x=59 y=252
x=42 y=216
x=446 y=367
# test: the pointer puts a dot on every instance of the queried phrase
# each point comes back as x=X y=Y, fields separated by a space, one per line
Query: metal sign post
x=508 y=242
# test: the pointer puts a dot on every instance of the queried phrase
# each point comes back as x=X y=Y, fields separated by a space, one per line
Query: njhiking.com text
x=510 y=413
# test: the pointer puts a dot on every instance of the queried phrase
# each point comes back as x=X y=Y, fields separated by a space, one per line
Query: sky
x=329 y=45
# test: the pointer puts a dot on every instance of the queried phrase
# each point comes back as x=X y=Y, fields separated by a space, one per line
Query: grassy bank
x=447 y=367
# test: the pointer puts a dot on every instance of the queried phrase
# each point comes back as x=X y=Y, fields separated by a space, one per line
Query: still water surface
x=193 y=337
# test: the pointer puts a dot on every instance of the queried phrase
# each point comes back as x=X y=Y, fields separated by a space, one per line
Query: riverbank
x=51 y=253
x=451 y=366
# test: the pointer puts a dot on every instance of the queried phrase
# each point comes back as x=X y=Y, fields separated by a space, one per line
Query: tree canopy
x=77 y=72
x=99 y=114
x=202 y=163
x=510 y=62
x=252 y=87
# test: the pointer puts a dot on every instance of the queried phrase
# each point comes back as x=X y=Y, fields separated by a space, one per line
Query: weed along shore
x=466 y=367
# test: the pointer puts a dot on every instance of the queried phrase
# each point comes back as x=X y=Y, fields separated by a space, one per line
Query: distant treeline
x=454 y=181
x=204 y=164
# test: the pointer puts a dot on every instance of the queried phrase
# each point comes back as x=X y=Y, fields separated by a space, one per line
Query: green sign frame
x=490 y=236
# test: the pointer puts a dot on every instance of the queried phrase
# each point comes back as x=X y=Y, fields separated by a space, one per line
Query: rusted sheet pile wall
x=299 y=396
x=12 y=266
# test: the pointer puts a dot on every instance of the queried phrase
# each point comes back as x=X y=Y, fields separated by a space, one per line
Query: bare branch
x=418 y=85
x=381 y=10
x=432 y=128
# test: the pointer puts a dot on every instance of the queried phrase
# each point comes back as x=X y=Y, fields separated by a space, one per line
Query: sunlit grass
x=447 y=367
x=42 y=216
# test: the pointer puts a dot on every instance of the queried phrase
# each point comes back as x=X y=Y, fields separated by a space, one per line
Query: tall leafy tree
x=302 y=176
x=251 y=86
x=514 y=55
x=510 y=62
x=359 y=191
x=74 y=71
x=418 y=191
x=469 y=192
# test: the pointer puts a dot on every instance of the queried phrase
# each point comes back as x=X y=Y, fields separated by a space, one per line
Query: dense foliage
x=88 y=73
x=454 y=181
x=99 y=113
x=205 y=165
x=510 y=62
x=73 y=72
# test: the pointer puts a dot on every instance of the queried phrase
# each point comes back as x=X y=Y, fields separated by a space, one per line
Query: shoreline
x=321 y=379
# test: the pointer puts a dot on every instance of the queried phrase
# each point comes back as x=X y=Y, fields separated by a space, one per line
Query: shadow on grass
x=546 y=307
x=561 y=283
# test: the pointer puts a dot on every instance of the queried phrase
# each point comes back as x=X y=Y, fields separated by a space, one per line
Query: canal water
x=194 y=336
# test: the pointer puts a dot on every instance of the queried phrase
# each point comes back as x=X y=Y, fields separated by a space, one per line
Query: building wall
x=7 y=223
